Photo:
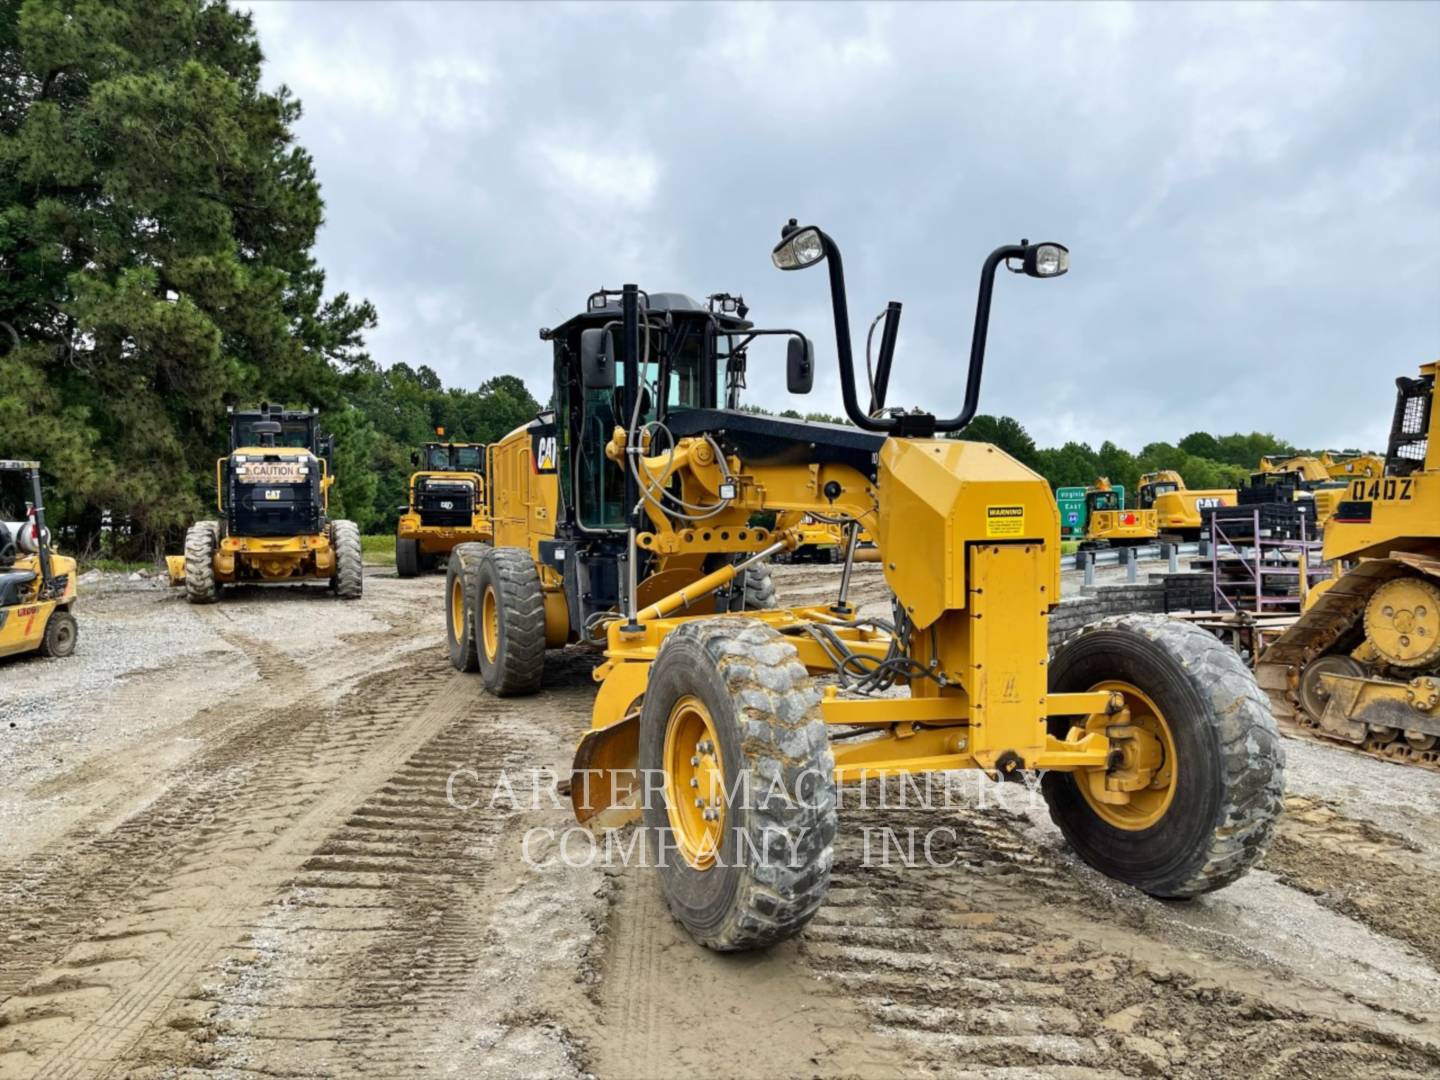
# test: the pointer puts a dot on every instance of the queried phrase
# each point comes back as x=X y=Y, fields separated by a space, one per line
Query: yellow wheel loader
x=445 y=507
x=1362 y=664
x=37 y=586
x=726 y=736
x=272 y=491
x=1108 y=523
x=1178 y=509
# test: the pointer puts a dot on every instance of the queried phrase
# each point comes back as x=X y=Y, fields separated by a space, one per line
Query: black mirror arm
x=977 y=339
x=858 y=416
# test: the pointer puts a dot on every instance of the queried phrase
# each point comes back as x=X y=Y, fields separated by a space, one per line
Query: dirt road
x=281 y=836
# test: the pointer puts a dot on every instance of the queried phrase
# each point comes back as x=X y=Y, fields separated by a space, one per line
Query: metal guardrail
x=1118 y=556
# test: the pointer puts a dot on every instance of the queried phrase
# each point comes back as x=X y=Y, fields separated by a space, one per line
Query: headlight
x=1047 y=260
x=799 y=250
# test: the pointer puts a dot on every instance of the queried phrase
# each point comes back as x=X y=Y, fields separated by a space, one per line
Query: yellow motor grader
x=1362 y=663
x=273 y=494
x=725 y=735
x=37 y=586
x=1178 y=509
x=445 y=506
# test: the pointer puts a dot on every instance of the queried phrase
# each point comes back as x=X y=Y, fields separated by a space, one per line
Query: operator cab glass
x=298 y=433
x=467 y=458
x=1104 y=500
x=1150 y=492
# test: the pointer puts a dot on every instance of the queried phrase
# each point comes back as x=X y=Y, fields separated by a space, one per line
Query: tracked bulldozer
x=1361 y=666
x=272 y=491
x=445 y=506
x=726 y=736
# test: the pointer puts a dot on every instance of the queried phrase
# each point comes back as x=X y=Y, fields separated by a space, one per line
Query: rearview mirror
x=800 y=365
x=597 y=372
x=414 y=457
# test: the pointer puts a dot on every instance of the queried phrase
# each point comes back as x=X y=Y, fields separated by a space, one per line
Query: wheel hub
x=694 y=782
x=490 y=624
x=1137 y=786
x=457 y=608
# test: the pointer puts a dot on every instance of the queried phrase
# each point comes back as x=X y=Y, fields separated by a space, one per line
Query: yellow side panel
x=936 y=495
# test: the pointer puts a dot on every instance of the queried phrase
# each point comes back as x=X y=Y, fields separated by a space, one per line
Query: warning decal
x=1005 y=521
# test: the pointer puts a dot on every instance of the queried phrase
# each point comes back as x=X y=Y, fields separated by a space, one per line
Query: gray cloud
x=1250 y=192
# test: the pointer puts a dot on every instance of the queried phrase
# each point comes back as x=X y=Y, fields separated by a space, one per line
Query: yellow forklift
x=37 y=586
x=1153 y=747
x=445 y=506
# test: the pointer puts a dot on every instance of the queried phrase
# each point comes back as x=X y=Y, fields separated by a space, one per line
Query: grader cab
x=445 y=506
x=272 y=491
x=725 y=735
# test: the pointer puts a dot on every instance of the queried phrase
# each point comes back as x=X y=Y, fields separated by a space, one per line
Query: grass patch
x=378 y=549
x=1069 y=547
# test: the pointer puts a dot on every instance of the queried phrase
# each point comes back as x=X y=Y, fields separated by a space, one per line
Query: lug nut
x=694 y=781
x=699 y=802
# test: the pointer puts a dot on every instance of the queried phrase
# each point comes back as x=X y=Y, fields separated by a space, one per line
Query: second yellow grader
x=622 y=519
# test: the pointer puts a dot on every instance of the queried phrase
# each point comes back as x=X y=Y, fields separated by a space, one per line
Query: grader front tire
x=349 y=579
x=200 y=543
x=460 y=586
x=508 y=612
x=730 y=707
x=1226 y=779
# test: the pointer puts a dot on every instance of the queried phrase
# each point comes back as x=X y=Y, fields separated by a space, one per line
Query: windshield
x=292 y=433
x=1105 y=500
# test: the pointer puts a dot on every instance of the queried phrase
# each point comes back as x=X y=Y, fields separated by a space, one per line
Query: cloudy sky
x=1251 y=193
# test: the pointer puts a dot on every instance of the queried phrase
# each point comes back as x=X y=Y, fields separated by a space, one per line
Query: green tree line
x=157 y=226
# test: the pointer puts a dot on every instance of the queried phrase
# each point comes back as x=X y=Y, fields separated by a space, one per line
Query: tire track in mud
x=199 y=860
x=1360 y=871
x=365 y=962
x=991 y=961
x=67 y=884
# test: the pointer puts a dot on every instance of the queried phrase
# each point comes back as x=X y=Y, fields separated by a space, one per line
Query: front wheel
x=61 y=633
x=739 y=790
x=1200 y=729
x=407 y=557
x=349 y=579
x=200 y=543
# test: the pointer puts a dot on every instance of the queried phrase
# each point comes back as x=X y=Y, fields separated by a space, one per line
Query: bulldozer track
x=1310 y=638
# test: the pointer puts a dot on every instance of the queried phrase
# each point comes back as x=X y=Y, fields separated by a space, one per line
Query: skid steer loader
x=1161 y=761
x=1362 y=664
x=273 y=494
x=445 y=507
x=37 y=586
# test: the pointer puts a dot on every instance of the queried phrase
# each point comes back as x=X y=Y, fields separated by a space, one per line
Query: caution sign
x=1005 y=521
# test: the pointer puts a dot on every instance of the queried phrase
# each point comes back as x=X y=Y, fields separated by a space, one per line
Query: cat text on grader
x=1161 y=761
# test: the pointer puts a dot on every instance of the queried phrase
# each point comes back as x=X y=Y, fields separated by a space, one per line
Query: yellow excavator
x=1150 y=741
x=1179 y=509
x=1108 y=523
x=1351 y=465
x=1362 y=664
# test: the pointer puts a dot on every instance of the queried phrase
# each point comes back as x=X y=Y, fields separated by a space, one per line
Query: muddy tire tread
x=1239 y=711
x=201 y=540
x=349 y=580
